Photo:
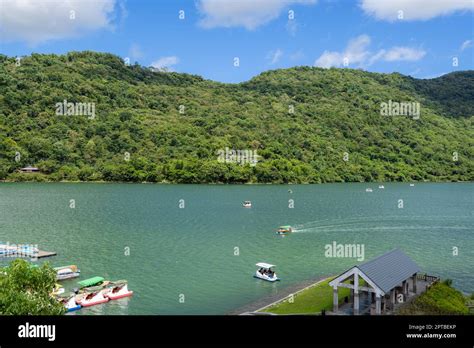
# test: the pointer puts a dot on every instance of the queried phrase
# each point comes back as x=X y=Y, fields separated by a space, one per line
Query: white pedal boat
x=67 y=272
x=247 y=204
x=118 y=289
x=93 y=296
x=69 y=301
x=265 y=272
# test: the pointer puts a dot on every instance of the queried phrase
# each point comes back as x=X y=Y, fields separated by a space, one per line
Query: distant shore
x=233 y=183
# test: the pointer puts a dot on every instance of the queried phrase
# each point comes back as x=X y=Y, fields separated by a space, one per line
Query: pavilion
x=385 y=277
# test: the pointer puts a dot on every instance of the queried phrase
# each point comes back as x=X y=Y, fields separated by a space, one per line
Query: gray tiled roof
x=390 y=269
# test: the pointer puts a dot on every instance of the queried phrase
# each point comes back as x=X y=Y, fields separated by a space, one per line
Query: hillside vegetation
x=308 y=125
x=440 y=299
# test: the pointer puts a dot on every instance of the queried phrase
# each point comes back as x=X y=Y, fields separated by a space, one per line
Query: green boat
x=91 y=282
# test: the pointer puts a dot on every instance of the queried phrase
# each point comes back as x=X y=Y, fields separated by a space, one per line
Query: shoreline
x=280 y=296
x=224 y=184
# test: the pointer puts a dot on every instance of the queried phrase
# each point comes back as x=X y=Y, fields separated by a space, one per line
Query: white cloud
x=274 y=56
x=466 y=44
x=37 y=21
x=413 y=9
x=165 y=63
x=403 y=53
x=249 y=14
x=357 y=53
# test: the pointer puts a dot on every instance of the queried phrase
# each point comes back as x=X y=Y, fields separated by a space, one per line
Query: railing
x=428 y=278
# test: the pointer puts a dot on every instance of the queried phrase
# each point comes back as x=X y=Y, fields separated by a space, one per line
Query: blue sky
x=418 y=37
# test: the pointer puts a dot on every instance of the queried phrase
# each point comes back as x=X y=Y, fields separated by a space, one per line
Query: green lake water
x=191 y=251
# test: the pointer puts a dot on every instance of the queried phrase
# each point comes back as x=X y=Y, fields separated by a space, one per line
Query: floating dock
x=42 y=253
x=23 y=251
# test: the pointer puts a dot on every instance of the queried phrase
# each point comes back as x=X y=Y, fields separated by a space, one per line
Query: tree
x=25 y=290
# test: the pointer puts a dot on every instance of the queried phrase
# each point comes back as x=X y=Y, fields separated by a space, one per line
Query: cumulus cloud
x=165 y=63
x=36 y=21
x=403 y=53
x=357 y=53
x=466 y=44
x=413 y=9
x=249 y=14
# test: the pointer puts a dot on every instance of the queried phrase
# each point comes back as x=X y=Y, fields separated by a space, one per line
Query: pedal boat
x=58 y=290
x=118 y=289
x=265 y=272
x=69 y=301
x=93 y=296
x=94 y=281
x=247 y=204
x=67 y=272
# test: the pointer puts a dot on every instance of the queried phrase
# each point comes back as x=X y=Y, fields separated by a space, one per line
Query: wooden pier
x=42 y=253
x=23 y=251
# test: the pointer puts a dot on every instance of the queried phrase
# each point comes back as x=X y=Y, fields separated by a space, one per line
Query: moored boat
x=368 y=189
x=67 y=272
x=94 y=281
x=381 y=187
x=69 y=301
x=118 y=289
x=92 y=296
x=58 y=290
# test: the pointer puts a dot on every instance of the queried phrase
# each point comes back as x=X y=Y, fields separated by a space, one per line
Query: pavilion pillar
x=335 y=300
x=356 y=303
x=392 y=298
x=356 y=294
x=378 y=307
x=414 y=283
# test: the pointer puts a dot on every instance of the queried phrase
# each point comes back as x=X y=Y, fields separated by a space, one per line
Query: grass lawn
x=309 y=301
x=440 y=299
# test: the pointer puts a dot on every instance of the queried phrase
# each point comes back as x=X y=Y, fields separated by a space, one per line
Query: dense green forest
x=308 y=125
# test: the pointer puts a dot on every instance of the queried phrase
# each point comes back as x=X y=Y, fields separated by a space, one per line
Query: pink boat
x=93 y=296
x=118 y=289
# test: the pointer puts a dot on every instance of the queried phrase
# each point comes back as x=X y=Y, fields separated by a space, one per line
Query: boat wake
x=368 y=223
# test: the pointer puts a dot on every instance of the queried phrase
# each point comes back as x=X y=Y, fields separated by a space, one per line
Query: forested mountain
x=308 y=125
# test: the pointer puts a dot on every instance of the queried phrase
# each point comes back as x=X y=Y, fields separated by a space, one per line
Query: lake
x=192 y=249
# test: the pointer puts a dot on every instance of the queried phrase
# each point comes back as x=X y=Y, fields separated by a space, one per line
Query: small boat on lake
x=92 y=296
x=412 y=185
x=118 y=289
x=265 y=272
x=67 y=272
x=284 y=230
x=69 y=301
x=247 y=204
x=94 y=281
x=58 y=290
x=368 y=189
x=381 y=187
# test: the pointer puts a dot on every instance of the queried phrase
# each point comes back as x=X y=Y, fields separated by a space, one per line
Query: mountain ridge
x=308 y=125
